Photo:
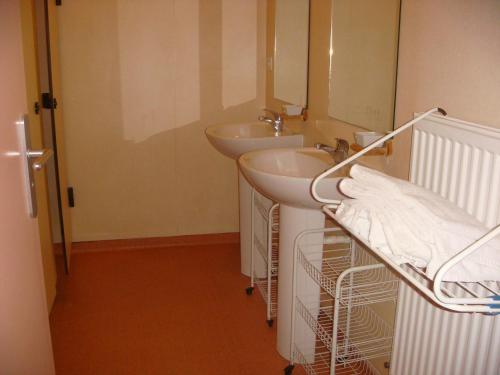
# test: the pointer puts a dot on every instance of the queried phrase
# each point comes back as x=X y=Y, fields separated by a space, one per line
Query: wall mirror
x=291 y=51
x=363 y=62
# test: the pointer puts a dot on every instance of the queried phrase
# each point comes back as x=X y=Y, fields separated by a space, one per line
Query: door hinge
x=37 y=108
x=58 y=2
x=48 y=101
x=71 y=197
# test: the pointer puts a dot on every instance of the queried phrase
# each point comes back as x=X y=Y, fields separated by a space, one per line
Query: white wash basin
x=233 y=140
x=285 y=175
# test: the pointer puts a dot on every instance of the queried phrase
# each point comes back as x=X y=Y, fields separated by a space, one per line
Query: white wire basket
x=376 y=284
x=269 y=294
x=361 y=333
x=317 y=361
x=336 y=331
x=265 y=244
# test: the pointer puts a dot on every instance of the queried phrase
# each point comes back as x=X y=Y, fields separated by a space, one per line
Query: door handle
x=40 y=157
x=34 y=160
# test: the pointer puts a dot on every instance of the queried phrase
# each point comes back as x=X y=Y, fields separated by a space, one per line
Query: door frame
x=49 y=28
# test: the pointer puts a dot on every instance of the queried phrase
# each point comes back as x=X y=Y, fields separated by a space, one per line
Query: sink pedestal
x=292 y=222
x=246 y=204
x=285 y=176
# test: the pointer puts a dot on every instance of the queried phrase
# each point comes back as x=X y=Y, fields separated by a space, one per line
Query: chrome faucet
x=276 y=121
x=339 y=152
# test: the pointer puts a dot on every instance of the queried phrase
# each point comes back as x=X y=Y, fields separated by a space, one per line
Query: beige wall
x=138 y=158
x=142 y=80
x=449 y=57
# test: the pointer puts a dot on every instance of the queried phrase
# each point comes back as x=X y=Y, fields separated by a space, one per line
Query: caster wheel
x=288 y=369
x=270 y=322
x=249 y=290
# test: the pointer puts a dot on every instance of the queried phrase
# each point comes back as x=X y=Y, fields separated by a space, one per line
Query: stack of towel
x=411 y=224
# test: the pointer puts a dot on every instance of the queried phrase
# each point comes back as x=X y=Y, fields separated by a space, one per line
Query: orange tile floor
x=173 y=311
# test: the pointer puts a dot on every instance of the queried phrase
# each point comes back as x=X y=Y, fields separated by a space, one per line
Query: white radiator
x=461 y=162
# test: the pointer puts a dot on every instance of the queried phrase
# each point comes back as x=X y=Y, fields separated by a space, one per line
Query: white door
x=25 y=344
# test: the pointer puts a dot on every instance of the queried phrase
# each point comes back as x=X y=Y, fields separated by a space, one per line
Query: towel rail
x=483 y=304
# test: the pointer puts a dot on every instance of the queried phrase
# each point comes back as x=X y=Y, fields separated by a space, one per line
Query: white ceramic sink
x=285 y=175
x=233 y=140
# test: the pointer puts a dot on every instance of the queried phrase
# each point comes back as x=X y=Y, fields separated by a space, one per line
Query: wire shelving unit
x=265 y=244
x=347 y=330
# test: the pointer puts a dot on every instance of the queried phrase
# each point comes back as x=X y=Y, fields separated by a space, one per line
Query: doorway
x=51 y=117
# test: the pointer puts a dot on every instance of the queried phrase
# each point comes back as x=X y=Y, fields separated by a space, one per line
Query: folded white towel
x=411 y=224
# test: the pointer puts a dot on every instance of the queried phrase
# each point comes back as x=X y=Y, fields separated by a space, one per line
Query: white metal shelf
x=455 y=290
x=317 y=361
x=371 y=286
x=264 y=253
x=260 y=247
x=263 y=210
x=272 y=300
x=361 y=333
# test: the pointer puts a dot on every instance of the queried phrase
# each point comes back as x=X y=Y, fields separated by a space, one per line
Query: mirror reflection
x=363 y=62
x=291 y=51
